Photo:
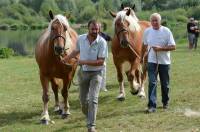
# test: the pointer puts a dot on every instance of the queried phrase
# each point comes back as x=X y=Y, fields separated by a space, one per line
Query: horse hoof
x=141 y=96
x=59 y=112
x=121 y=98
x=44 y=122
x=64 y=116
x=134 y=93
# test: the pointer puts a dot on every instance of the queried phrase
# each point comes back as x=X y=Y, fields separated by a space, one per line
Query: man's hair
x=157 y=15
x=92 y=22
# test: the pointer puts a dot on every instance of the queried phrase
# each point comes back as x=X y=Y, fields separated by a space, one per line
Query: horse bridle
x=59 y=36
x=129 y=45
x=122 y=30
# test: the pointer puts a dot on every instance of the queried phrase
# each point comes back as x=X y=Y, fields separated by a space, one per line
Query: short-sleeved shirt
x=161 y=37
x=97 y=49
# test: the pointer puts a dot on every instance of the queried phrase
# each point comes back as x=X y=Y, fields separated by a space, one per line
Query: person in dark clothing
x=196 y=34
x=191 y=32
x=107 y=38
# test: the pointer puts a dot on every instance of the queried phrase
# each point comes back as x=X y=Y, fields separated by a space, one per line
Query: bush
x=6 y=52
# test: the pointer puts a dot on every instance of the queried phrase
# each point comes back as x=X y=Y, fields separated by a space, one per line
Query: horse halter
x=58 y=36
x=122 y=30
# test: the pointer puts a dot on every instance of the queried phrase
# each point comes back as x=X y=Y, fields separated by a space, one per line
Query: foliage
x=194 y=12
x=48 y=5
x=6 y=52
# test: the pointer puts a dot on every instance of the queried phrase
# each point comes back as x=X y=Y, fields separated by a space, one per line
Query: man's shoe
x=104 y=89
x=165 y=106
x=151 y=110
x=92 y=129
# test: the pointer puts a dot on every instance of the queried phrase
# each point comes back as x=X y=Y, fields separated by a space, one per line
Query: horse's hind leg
x=45 y=97
x=54 y=86
x=143 y=79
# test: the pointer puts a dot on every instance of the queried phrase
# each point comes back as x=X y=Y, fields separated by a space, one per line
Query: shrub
x=6 y=52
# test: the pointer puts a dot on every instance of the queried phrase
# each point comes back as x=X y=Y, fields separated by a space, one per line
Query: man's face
x=93 y=30
x=155 y=23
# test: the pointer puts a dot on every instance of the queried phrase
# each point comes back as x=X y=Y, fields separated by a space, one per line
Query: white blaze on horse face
x=63 y=20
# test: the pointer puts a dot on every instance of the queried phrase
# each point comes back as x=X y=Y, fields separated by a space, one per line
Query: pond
x=24 y=40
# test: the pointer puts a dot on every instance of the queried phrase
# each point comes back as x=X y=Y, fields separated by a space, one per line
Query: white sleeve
x=171 y=39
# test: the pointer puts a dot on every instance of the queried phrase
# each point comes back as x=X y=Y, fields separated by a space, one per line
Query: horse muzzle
x=59 y=50
x=124 y=43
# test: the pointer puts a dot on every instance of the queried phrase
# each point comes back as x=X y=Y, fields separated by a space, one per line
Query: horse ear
x=122 y=6
x=51 y=14
x=133 y=7
x=128 y=12
x=112 y=14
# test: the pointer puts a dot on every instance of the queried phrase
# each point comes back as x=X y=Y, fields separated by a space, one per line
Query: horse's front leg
x=121 y=96
x=45 y=97
x=54 y=85
x=65 y=90
x=133 y=77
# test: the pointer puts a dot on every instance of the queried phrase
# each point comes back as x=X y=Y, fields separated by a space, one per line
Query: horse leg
x=45 y=97
x=65 y=111
x=141 y=92
x=143 y=79
x=54 y=86
x=121 y=96
x=133 y=77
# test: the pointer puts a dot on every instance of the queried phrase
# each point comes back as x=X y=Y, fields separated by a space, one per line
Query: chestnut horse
x=58 y=40
x=127 y=51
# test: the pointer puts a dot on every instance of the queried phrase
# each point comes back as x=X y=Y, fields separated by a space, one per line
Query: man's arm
x=98 y=62
x=164 y=48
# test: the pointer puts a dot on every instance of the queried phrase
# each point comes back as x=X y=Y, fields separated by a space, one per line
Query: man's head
x=155 y=19
x=191 y=19
x=93 y=28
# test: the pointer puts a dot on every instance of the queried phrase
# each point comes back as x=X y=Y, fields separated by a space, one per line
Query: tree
x=49 y=5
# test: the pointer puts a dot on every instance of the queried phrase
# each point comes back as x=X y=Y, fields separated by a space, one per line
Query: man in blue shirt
x=93 y=51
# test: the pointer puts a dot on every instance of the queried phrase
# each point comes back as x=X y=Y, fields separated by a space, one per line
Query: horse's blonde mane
x=62 y=19
x=132 y=19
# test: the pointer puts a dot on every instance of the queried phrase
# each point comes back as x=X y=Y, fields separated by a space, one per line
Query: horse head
x=58 y=29
x=125 y=22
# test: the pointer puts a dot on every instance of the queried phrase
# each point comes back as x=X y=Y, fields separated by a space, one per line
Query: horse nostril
x=59 y=49
x=124 y=43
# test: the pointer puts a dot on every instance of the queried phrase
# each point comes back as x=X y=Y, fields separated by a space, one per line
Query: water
x=27 y=38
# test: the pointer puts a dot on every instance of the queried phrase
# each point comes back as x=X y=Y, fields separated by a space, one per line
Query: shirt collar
x=96 y=40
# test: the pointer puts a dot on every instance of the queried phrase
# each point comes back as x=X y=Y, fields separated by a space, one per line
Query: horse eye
x=65 y=28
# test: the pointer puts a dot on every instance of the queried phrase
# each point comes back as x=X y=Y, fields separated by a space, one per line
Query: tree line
x=34 y=13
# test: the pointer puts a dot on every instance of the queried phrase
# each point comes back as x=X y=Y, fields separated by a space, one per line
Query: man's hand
x=65 y=59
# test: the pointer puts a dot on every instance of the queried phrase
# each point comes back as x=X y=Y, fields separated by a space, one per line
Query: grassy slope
x=21 y=105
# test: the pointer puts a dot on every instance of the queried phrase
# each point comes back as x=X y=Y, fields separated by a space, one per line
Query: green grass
x=21 y=103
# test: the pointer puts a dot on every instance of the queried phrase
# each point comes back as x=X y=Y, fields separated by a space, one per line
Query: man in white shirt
x=93 y=51
x=159 y=41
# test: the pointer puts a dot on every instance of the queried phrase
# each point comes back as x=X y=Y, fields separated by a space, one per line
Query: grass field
x=21 y=103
